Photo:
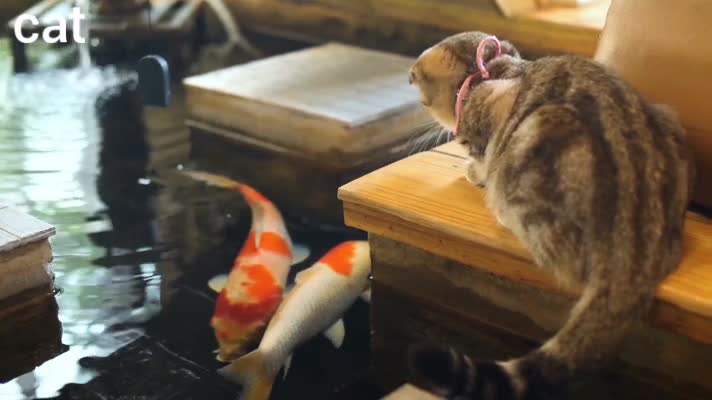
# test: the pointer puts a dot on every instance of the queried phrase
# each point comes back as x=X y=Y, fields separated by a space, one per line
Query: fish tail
x=252 y=373
x=214 y=180
x=251 y=195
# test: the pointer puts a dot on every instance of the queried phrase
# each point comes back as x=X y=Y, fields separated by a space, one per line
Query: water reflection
x=50 y=149
x=136 y=244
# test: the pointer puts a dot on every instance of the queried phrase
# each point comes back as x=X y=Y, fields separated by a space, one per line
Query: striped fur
x=595 y=182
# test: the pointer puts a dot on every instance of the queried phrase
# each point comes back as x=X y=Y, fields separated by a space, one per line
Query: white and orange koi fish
x=320 y=297
x=253 y=290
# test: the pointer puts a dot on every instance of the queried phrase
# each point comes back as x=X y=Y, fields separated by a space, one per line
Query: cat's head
x=440 y=71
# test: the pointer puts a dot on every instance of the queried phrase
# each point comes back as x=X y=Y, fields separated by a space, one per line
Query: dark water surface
x=136 y=244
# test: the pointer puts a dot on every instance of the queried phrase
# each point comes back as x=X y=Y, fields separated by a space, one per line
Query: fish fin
x=366 y=296
x=300 y=253
x=304 y=275
x=250 y=372
x=213 y=180
x=218 y=283
x=336 y=333
x=287 y=365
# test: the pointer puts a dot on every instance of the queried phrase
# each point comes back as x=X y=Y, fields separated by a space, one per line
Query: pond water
x=136 y=244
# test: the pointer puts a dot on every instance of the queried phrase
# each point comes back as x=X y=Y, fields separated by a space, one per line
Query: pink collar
x=482 y=72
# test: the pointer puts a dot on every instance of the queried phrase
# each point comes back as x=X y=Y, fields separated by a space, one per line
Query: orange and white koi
x=320 y=297
x=251 y=293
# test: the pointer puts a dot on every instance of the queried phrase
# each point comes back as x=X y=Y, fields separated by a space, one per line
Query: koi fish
x=251 y=293
x=321 y=295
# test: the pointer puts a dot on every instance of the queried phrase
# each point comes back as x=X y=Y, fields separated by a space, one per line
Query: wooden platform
x=299 y=125
x=410 y=26
x=335 y=102
x=477 y=270
x=25 y=252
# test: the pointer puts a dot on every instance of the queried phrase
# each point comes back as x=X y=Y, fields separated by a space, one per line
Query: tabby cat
x=594 y=180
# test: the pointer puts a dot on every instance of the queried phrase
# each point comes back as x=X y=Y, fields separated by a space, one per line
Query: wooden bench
x=445 y=270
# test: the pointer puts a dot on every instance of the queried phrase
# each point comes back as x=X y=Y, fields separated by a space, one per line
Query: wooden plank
x=17 y=228
x=452 y=148
x=8 y=241
x=368 y=85
x=425 y=201
x=412 y=25
x=410 y=392
x=25 y=267
x=418 y=296
x=281 y=172
x=335 y=99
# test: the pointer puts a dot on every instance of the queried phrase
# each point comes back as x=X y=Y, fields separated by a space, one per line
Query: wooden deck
x=425 y=201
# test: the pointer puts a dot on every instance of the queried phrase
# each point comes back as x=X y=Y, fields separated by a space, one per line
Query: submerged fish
x=253 y=290
x=321 y=295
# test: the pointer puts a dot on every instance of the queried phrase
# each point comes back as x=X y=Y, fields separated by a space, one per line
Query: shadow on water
x=136 y=244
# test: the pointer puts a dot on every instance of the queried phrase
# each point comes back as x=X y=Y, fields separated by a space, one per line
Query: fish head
x=234 y=339
x=244 y=307
x=350 y=259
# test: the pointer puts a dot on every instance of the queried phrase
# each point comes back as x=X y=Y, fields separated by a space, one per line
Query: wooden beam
x=426 y=202
x=418 y=296
x=409 y=26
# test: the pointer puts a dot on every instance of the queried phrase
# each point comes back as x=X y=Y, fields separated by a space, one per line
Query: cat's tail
x=598 y=322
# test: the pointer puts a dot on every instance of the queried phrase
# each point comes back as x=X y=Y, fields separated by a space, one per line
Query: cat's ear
x=509 y=49
x=434 y=368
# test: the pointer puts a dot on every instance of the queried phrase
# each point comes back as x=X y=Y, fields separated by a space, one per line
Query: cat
x=594 y=180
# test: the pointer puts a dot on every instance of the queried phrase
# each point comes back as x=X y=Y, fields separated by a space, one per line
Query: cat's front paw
x=473 y=173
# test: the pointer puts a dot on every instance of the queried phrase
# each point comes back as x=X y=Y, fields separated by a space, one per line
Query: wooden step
x=445 y=270
x=426 y=201
x=334 y=103
x=25 y=252
x=306 y=122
